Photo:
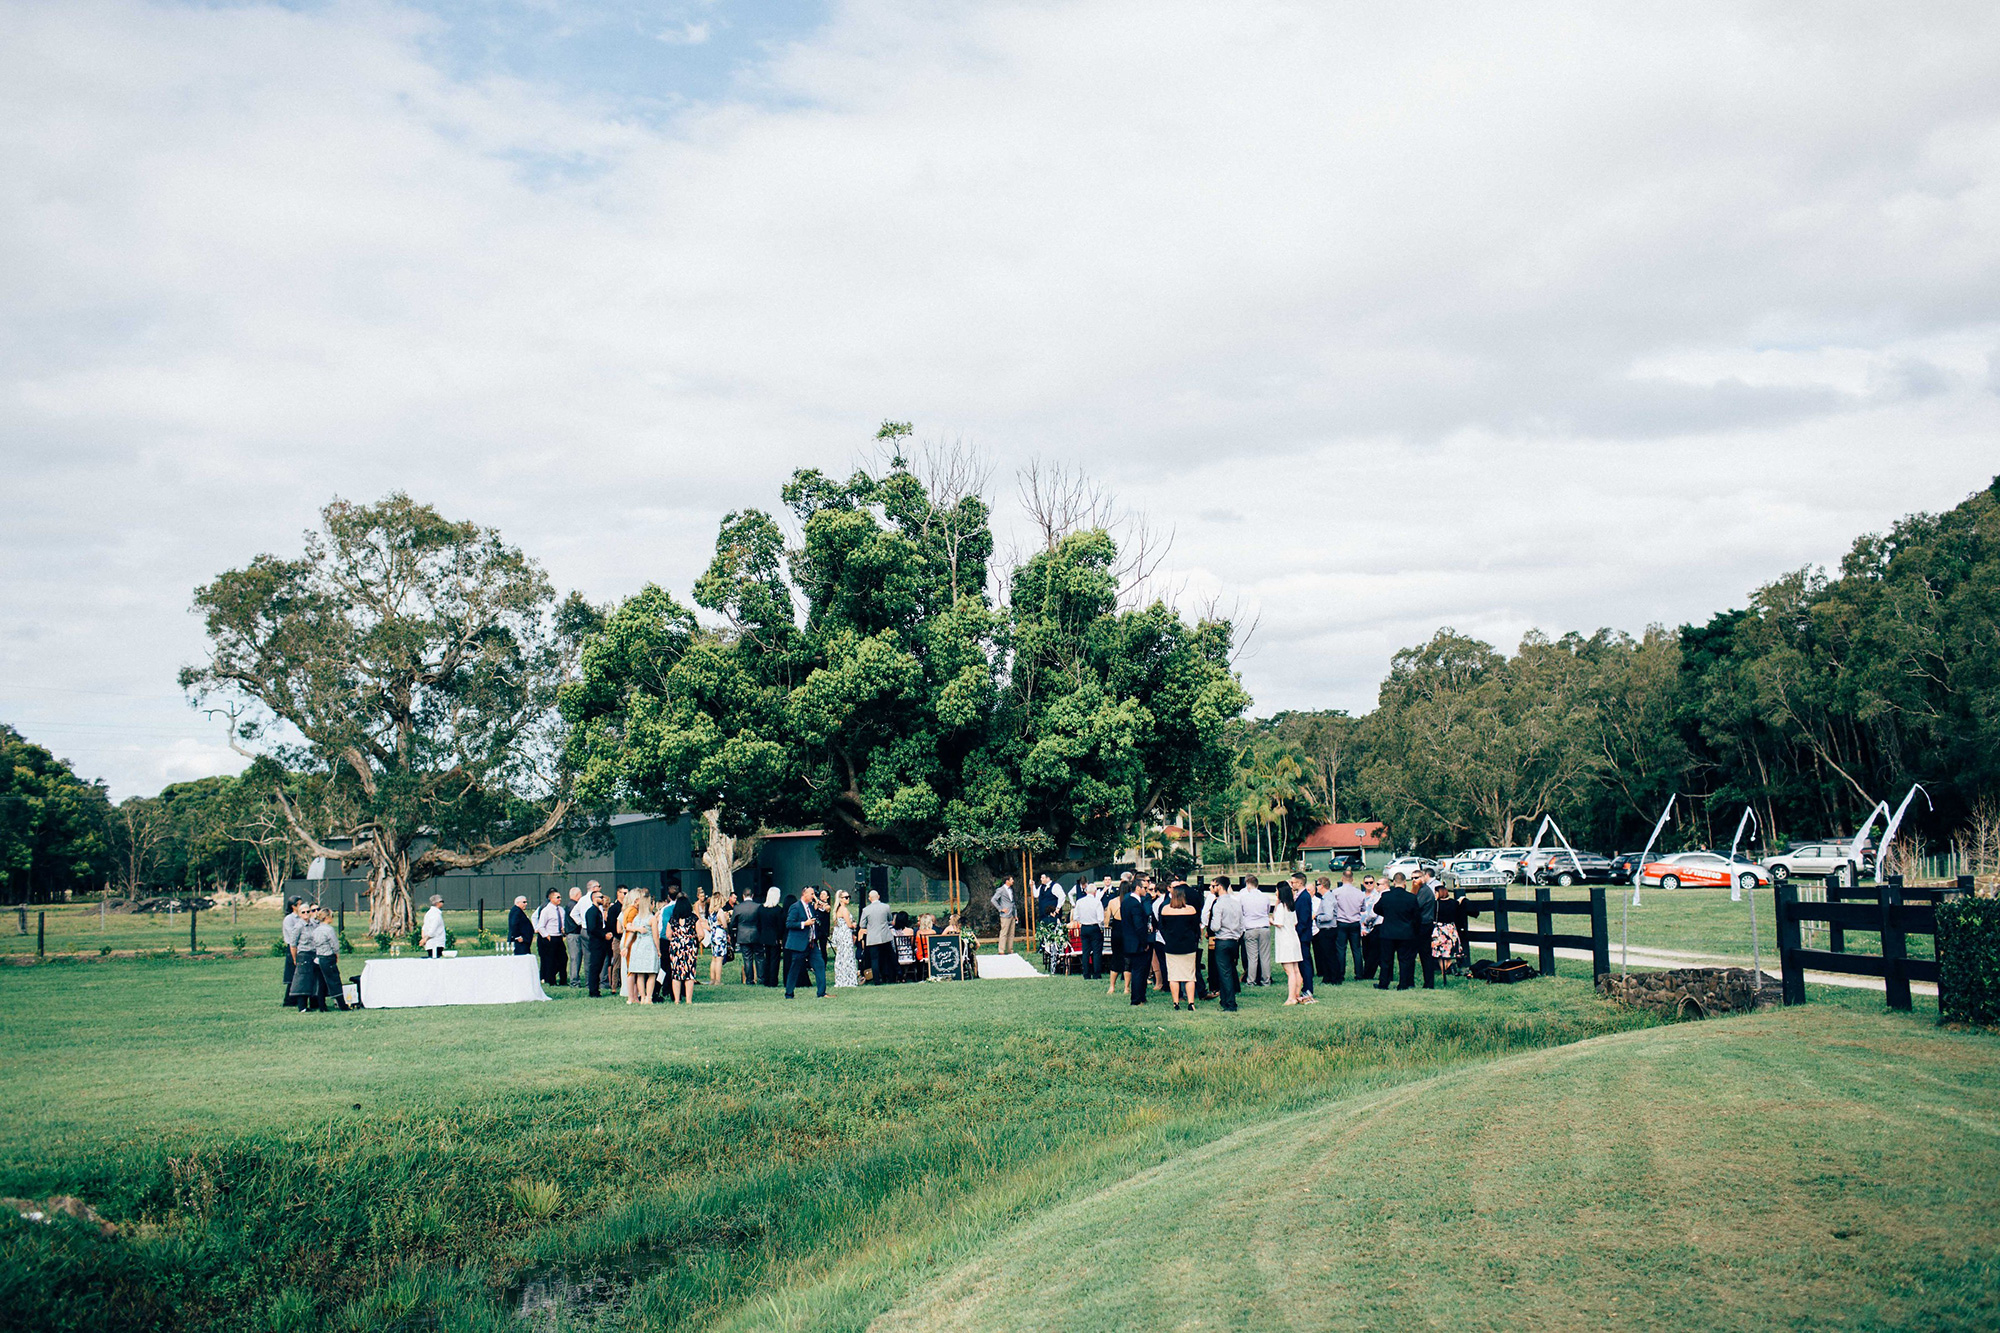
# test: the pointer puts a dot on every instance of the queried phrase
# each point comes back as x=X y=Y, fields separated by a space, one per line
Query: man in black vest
x=1135 y=925
x=596 y=941
x=1401 y=916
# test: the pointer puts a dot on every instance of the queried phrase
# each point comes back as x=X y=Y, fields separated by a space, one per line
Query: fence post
x=1964 y=885
x=340 y=915
x=41 y=932
x=482 y=914
x=1836 y=936
x=1895 y=944
x=1600 y=935
x=1786 y=900
x=194 y=914
x=1542 y=927
x=1502 y=950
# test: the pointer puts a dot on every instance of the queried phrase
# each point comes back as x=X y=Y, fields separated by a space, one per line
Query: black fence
x=1887 y=909
x=1505 y=936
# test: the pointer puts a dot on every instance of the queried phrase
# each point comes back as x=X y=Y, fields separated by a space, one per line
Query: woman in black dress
x=1180 y=938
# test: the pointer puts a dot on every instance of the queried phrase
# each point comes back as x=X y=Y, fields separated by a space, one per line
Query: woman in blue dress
x=642 y=949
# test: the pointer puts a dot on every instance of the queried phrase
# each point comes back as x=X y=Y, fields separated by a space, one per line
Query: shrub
x=383 y=939
x=277 y=948
x=239 y=942
x=103 y=951
x=1968 y=960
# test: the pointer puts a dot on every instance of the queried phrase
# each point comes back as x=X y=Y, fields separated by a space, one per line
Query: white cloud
x=1556 y=314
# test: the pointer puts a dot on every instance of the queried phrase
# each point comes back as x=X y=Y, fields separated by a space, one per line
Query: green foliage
x=239 y=943
x=383 y=939
x=419 y=660
x=53 y=824
x=901 y=709
x=1968 y=960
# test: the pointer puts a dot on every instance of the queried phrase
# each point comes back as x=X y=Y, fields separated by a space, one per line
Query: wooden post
x=1546 y=950
x=41 y=932
x=1502 y=950
x=194 y=915
x=482 y=914
x=1785 y=896
x=1895 y=944
x=1836 y=937
x=1600 y=935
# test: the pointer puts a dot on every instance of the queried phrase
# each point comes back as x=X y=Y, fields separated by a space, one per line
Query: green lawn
x=748 y=1163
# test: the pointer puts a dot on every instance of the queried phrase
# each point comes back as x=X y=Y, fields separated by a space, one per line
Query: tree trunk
x=725 y=855
x=389 y=910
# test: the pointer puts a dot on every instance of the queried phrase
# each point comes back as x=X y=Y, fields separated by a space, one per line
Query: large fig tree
x=410 y=665
x=866 y=682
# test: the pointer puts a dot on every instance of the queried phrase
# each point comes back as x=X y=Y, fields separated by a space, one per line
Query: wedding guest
x=433 y=938
x=326 y=955
x=1302 y=912
x=1400 y=914
x=1371 y=938
x=721 y=913
x=573 y=935
x=1350 y=905
x=1004 y=907
x=294 y=926
x=597 y=937
x=1225 y=933
x=683 y=948
x=520 y=930
x=1114 y=915
x=878 y=937
x=1448 y=935
x=1326 y=918
x=549 y=938
x=1285 y=939
x=749 y=940
x=846 y=968
x=1180 y=937
x=1088 y=914
x=642 y=948
x=771 y=930
x=1135 y=924
x=1256 y=910
x=802 y=944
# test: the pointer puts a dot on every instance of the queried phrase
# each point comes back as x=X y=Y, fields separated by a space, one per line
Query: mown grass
x=1805 y=1169
x=721 y=1163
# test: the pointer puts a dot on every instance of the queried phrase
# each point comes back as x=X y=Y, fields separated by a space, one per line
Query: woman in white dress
x=846 y=971
x=1285 y=930
x=642 y=949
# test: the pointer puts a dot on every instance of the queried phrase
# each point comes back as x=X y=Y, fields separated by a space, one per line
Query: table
x=408 y=983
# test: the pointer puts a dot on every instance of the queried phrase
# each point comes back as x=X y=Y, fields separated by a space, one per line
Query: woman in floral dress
x=683 y=947
x=720 y=933
x=846 y=972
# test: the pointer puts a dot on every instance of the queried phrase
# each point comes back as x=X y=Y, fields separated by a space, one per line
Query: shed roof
x=1343 y=835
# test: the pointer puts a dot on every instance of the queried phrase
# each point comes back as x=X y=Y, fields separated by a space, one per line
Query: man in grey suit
x=1004 y=907
x=878 y=937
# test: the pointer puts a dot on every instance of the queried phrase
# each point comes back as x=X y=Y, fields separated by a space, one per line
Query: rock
x=1693 y=991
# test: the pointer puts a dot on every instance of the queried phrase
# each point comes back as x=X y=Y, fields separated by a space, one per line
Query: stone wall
x=1693 y=992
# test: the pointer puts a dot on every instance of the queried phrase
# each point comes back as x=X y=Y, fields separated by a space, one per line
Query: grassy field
x=747 y=1163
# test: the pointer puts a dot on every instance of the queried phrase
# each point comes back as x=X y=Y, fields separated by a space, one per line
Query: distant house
x=1332 y=845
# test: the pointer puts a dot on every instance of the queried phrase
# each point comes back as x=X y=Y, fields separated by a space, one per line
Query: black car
x=1583 y=868
x=1624 y=866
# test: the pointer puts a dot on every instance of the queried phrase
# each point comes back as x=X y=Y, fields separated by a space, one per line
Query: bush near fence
x=1968 y=960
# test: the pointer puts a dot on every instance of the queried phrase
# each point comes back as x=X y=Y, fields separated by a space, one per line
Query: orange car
x=1703 y=870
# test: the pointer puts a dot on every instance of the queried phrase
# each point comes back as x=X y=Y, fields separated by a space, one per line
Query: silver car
x=1475 y=872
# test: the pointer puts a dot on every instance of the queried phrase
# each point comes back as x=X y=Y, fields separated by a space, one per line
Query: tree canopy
x=52 y=823
x=867 y=682
x=409 y=664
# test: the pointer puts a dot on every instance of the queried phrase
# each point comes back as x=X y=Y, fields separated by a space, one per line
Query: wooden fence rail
x=1543 y=938
x=1881 y=909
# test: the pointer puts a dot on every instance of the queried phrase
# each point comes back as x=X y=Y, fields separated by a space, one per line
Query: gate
x=1543 y=939
x=1882 y=908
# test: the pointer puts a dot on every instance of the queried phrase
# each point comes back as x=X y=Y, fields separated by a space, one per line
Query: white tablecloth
x=406 y=983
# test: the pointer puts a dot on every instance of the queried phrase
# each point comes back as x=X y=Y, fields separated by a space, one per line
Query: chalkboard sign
x=944 y=958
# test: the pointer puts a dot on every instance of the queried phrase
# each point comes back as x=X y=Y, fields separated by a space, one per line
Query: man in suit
x=749 y=940
x=596 y=940
x=802 y=944
x=520 y=930
x=1302 y=908
x=1427 y=919
x=771 y=929
x=1135 y=925
x=878 y=937
x=1004 y=907
x=549 y=939
x=1401 y=916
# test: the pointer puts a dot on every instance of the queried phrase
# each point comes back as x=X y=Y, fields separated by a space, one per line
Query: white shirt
x=548 y=920
x=1089 y=910
x=1256 y=908
x=434 y=928
x=577 y=910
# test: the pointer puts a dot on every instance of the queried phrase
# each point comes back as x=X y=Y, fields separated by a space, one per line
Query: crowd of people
x=1196 y=940
x=1211 y=939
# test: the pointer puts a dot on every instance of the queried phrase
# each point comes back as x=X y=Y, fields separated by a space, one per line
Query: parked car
x=1819 y=858
x=1476 y=872
x=1583 y=868
x=1623 y=866
x=1410 y=865
x=1703 y=870
x=1509 y=859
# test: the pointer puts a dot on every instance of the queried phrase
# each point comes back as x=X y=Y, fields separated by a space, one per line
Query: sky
x=1399 y=315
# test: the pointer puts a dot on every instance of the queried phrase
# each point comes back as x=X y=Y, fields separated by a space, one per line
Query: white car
x=1509 y=859
x=1815 y=859
x=1407 y=866
x=1704 y=870
x=1476 y=872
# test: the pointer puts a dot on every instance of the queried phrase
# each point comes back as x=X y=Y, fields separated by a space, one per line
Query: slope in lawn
x=1807 y=1169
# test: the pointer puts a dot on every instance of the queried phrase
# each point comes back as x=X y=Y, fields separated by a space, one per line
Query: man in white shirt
x=434 y=932
x=295 y=926
x=1256 y=910
x=549 y=938
x=579 y=903
x=1371 y=943
x=1088 y=913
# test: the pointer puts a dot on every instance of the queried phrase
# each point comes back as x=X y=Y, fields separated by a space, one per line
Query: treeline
x=1821 y=697
x=60 y=833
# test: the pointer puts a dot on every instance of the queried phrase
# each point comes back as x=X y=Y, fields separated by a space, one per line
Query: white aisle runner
x=1006 y=965
x=409 y=983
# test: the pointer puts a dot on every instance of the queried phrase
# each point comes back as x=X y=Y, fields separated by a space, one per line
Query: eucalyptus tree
x=409 y=665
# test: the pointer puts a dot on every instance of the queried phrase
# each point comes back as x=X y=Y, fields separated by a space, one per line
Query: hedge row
x=1968 y=960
